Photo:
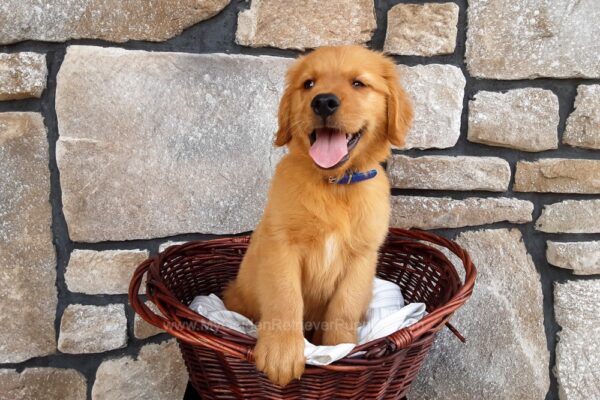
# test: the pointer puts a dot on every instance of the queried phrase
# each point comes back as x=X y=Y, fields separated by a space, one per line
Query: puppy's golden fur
x=312 y=258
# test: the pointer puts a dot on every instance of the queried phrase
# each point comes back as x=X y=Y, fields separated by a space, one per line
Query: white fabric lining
x=386 y=315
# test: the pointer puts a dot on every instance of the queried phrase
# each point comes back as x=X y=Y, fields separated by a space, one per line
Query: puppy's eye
x=309 y=83
x=358 y=84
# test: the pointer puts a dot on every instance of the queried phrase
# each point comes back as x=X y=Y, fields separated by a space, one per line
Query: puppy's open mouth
x=330 y=148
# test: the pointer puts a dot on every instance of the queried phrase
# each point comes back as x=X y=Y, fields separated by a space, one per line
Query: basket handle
x=405 y=336
x=134 y=299
x=193 y=337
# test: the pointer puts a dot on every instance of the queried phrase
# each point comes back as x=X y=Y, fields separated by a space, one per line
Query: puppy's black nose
x=325 y=104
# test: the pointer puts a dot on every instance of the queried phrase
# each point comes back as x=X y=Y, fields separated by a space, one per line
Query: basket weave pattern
x=219 y=359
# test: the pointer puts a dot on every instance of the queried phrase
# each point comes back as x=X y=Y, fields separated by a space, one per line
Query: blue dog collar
x=353 y=177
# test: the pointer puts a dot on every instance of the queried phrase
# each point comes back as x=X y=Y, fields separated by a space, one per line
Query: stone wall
x=124 y=126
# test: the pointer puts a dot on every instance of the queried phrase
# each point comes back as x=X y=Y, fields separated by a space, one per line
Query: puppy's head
x=343 y=107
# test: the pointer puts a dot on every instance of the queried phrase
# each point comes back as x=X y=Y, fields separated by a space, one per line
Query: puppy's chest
x=323 y=265
x=338 y=236
x=331 y=251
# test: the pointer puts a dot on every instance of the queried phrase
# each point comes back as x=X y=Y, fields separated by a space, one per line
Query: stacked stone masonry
x=159 y=130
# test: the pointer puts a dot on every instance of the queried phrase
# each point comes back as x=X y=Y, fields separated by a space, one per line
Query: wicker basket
x=219 y=360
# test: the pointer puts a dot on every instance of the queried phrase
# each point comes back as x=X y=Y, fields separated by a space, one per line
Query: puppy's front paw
x=280 y=355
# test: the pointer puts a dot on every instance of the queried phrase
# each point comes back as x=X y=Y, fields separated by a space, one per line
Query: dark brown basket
x=219 y=360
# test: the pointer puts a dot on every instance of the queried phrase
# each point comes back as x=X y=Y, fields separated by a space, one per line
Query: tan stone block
x=42 y=384
x=92 y=329
x=583 y=258
x=434 y=213
x=306 y=24
x=570 y=216
x=154 y=155
x=506 y=355
x=434 y=89
x=558 y=175
x=27 y=255
x=522 y=119
x=532 y=39
x=22 y=75
x=112 y=20
x=583 y=125
x=158 y=373
x=577 y=312
x=449 y=173
x=422 y=29
x=102 y=272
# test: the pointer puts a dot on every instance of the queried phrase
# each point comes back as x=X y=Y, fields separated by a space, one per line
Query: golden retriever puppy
x=312 y=257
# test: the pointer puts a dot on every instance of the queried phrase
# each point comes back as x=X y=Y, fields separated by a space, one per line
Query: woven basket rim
x=177 y=317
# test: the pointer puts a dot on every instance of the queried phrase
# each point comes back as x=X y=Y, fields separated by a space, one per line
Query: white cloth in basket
x=386 y=315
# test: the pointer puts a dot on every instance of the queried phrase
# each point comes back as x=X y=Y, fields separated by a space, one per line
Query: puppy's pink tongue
x=329 y=148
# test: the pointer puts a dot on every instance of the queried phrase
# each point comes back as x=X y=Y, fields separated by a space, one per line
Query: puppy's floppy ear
x=284 y=134
x=400 y=112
